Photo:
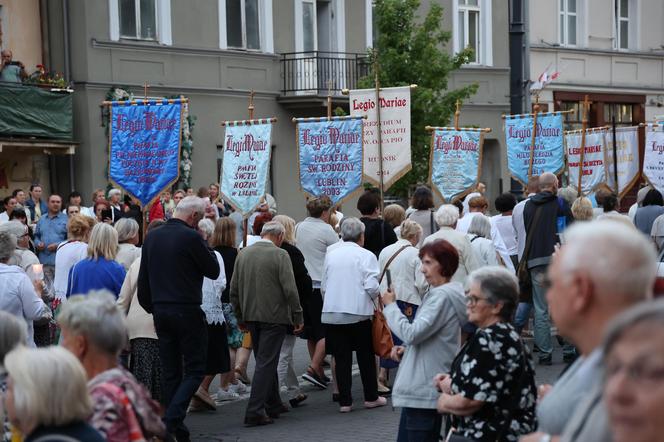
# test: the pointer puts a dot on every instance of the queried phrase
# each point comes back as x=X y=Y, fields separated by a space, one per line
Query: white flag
x=627 y=139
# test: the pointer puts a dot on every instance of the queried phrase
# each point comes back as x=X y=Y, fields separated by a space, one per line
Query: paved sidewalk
x=318 y=418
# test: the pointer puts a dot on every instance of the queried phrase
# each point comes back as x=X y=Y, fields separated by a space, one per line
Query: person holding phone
x=429 y=342
x=11 y=71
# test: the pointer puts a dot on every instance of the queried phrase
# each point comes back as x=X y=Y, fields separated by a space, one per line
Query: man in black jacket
x=541 y=216
x=174 y=261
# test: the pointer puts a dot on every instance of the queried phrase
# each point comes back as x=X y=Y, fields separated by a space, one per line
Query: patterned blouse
x=491 y=368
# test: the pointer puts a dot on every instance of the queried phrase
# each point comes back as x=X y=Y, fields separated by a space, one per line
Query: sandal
x=242 y=376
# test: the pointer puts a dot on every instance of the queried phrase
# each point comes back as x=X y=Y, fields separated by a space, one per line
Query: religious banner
x=246 y=163
x=594 y=165
x=548 y=154
x=456 y=161
x=627 y=141
x=653 y=157
x=330 y=156
x=144 y=146
x=395 y=131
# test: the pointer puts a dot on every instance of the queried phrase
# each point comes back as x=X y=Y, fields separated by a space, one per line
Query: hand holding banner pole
x=584 y=125
x=536 y=109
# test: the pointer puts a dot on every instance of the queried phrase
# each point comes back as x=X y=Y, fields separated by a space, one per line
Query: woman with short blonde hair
x=53 y=402
x=99 y=270
x=289 y=227
x=394 y=215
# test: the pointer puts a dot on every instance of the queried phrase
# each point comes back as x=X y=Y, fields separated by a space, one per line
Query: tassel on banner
x=248 y=122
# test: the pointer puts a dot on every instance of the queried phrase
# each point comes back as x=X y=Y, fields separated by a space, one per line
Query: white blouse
x=69 y=254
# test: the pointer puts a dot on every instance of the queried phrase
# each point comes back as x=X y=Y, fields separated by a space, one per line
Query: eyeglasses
x=641 y=373
x=472 y=299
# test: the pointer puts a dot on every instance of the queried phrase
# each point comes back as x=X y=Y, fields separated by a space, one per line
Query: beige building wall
x=21 y=31
x=593 y=65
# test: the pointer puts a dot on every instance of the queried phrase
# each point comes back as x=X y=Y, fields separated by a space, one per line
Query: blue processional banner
x=144 y=146
x=456 y=161
x=549 y=154
x=246 y=164
x=330 y=156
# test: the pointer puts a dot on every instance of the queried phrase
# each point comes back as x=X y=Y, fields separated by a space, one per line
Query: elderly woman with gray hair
x=479 y=235
x=13 y=332
x=94 y=330
x=18 y=295
x=634 y=373
x=490 y=391
x=47 y=398
x=127 y=229
x=23 y=256
x=349 y=285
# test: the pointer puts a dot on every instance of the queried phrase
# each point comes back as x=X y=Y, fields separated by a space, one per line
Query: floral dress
x=494 y=367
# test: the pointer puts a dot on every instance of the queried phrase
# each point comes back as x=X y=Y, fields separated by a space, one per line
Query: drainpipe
x=46 y=47
x=65 y=31
x=517 y=45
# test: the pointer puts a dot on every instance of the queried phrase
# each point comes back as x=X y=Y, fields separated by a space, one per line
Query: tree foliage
x=411 y=50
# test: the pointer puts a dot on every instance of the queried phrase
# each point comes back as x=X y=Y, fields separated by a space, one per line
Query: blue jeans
x=522 y=315
x=419 y=425
x=542 y=327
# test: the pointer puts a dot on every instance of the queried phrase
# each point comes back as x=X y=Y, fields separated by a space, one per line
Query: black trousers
x=266 y=339
x=341 y=340
x=182 y=333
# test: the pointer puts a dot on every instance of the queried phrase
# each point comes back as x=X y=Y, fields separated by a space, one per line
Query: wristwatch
x=545 y=438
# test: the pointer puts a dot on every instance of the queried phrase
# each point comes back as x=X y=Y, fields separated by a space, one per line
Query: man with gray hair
x=174 y=261
x=265 y=301
x=603 y=269
x=545 y=216
x=446 y=217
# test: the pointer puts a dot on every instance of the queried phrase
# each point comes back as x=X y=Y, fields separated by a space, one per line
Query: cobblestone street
x=317 y=419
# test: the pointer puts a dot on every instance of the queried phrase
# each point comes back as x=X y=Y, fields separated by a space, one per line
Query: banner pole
x=536 y=109
x=615 y=151
x=245 y=220
x=457 y=113
x=584 y=125
x=380 y=135
x=329 y=99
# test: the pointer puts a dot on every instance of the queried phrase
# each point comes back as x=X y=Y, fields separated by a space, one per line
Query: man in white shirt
x=502 y=229
x=446 y=217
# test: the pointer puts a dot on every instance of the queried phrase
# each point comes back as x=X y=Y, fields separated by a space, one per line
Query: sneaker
x=346 y=409
x=311 y=376
x=380 y=402
x=545 y=360
x=325 y=379
x=225 y=396
x=239 y=388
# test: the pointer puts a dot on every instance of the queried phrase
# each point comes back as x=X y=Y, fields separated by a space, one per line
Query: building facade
x=611 y=50
x=289 y=52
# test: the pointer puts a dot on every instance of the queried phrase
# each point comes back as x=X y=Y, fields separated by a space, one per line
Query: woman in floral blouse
x=490 y=392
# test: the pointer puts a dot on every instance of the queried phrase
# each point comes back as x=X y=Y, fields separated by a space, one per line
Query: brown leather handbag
x=380 y=333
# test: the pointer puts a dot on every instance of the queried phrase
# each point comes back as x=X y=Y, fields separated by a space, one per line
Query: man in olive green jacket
x=265 y=300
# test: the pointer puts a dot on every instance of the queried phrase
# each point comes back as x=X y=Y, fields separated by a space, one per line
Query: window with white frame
x=469 y=29
x=568 y=22
x=243 y=24
x=622 y=32
x=138 y=19
x=471 y=20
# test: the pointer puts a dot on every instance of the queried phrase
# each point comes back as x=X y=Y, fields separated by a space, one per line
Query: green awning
x=35 y=112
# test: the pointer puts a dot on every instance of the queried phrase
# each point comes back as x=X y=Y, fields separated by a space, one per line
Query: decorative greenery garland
x=122 y=93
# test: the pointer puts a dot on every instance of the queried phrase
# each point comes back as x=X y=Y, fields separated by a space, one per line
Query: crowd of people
x=136 y=314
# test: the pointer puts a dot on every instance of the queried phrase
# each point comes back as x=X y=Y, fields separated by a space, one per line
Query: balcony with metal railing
x=308 y=76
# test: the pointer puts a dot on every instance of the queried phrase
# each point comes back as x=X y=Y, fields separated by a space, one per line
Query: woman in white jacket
x=479 y=234
x=430 y=342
